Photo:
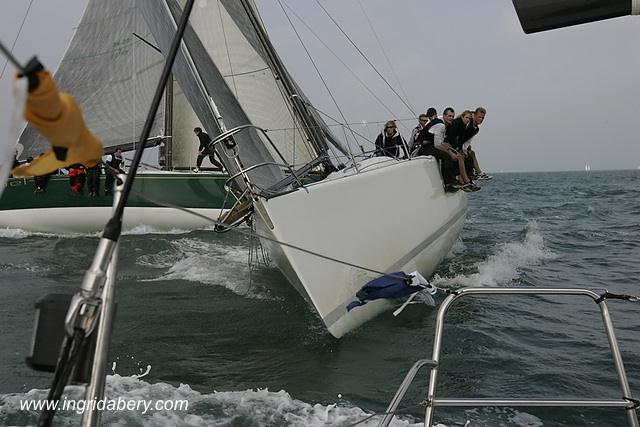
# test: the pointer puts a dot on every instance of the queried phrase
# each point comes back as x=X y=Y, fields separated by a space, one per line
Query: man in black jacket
x=204 y=151
x=113 y=166
x=471 y=160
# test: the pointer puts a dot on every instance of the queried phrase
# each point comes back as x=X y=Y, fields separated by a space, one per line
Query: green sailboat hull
x=59 y=210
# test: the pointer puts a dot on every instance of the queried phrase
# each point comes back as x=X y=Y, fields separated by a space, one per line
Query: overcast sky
x=555 y=100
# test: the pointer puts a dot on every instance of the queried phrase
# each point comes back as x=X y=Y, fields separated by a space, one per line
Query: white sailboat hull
x=93 y=219
x=393 y=216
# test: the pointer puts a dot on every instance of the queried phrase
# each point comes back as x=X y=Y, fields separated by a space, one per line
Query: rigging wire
x=315 y=66
x=16 y=39
x=365 y=57
x=384 y=52
x=299 y=127
x=353 y=73
x=339 y=123
x=226 y=46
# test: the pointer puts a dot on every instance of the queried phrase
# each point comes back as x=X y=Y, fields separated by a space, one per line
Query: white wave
x=248 y=407
x=255 y=407
x=526 y=420
x=504 y=265
x=18 y=233
x=207 y=262
x=31 y=268
x=162 y=259
x=140 y=230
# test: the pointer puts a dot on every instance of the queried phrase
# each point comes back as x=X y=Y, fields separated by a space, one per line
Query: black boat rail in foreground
x=627 y=402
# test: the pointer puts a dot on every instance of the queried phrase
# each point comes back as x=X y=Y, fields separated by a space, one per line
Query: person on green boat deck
x=113 y=166
x=93 y=180
x=204 y=151
x=39 y=181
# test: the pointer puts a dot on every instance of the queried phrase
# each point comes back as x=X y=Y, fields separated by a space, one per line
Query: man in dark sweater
x=471 y=130
x=113 y=166
x=204 y=151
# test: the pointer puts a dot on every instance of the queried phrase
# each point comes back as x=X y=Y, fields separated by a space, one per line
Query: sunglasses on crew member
x=389 y=127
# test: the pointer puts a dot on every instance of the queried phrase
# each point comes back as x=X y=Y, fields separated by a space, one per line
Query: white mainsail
x=239 y=59
x=110 y=72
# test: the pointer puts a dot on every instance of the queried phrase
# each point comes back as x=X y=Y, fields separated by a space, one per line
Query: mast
x=167 y=150
x=311 y=126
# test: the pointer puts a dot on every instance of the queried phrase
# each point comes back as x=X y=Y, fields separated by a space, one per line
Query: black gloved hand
x=31 y=73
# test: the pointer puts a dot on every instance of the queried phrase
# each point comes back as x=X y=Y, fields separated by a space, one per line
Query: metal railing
x=432 y=401
x=258 y=165
x=228 y=136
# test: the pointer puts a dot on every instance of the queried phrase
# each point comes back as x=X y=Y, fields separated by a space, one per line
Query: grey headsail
x=111 y=73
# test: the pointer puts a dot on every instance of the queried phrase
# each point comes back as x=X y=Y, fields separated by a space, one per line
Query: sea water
x=196 y=321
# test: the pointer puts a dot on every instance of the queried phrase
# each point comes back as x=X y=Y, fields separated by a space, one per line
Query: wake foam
x=250 y=407
x=504 y=265
x=18 y=233
x=207 y=262
x=141 y=230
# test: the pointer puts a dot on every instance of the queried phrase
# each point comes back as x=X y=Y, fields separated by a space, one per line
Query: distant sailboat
x=587 y=167
x=111 y=71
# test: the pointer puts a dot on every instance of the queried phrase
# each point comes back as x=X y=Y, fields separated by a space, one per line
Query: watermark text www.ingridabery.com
x=119 y=404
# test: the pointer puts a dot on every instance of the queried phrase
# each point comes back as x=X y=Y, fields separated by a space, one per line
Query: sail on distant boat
x=587 y=167
x=112 y=74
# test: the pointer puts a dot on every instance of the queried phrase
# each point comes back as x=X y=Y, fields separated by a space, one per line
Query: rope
x=375 y=414
x=16 y=39
x=338 y=123
x=353 y=73
x=365 y=57
x=342 y=124
x=609 y=295
x=384 y=52
x=261 y=236
x=635 y=403
x=326 y=86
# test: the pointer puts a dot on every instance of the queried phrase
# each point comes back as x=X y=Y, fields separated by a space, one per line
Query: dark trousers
x=109 y=181
x=212 y=159
x=93 y=180
x=41 y=181
x=448 y=167
x=468 y=164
